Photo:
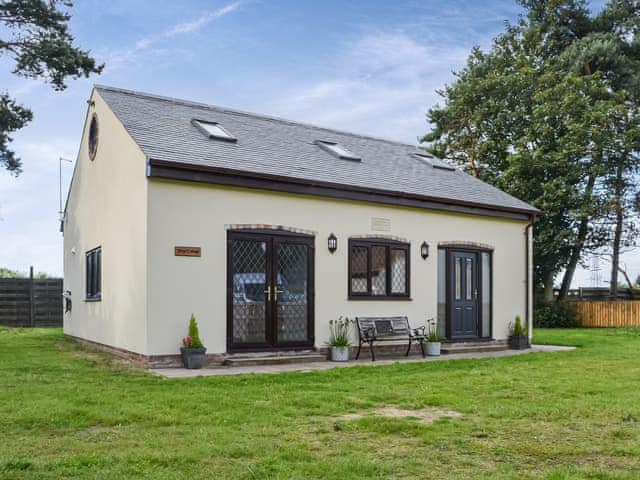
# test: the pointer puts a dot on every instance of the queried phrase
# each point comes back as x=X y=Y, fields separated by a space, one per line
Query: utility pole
x=61 y=159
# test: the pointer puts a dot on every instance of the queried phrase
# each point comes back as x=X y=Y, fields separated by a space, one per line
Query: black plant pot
x=518 y=342
x=193 y=357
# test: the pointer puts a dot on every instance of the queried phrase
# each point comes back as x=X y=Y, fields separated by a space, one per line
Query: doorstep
x=362 y=362
x=251 y=360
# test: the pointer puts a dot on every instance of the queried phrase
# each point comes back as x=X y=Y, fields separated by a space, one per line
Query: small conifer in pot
x=193 y=351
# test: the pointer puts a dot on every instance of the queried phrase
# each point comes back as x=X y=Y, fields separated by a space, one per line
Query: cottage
x=266 y=229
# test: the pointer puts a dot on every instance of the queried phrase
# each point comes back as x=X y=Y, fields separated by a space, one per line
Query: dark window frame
x=389 y=245
x=93 y=274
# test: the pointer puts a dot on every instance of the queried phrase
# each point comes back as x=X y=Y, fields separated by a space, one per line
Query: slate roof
x=163 y=129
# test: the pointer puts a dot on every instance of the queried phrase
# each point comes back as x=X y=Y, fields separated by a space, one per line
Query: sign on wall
x=187 y=251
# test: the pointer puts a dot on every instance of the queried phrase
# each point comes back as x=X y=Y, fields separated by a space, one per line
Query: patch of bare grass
x=425 y=416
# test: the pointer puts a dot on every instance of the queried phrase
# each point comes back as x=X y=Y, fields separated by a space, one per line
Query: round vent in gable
x=93 y=137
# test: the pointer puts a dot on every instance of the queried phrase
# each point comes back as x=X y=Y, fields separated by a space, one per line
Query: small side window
x=93 y=271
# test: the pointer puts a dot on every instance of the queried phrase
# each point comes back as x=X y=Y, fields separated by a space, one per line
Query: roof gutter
x=223 y=176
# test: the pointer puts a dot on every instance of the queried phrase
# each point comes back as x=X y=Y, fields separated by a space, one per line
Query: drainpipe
x=527 y=275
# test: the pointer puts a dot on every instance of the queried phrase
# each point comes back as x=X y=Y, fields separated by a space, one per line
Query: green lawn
x=68 y=412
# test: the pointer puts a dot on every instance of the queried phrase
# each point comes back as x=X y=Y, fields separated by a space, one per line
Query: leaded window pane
x=398 y=271
x=249 y=284
x=359 y=269
x=292 y=293
x=378 y=270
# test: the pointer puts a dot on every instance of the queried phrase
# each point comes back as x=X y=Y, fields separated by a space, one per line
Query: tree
x=40 y=45
x=612 y=48
x=8 y=273
x=535 y=118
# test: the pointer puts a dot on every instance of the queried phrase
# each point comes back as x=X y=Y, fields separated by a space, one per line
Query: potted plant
x=433 y=339
x=339 y=341
x=519 y=338
x=193 y=352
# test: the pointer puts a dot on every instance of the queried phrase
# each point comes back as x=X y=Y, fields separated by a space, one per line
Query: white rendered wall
x=107 y=207
x=190 y=214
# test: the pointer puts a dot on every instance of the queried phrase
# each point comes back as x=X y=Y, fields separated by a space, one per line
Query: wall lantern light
x=332 y=243
x=424 y=250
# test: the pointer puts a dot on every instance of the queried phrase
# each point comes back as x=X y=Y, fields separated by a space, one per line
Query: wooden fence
x=29 y=302
x=621 y=313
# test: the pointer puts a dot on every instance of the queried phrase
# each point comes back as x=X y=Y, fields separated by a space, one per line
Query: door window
x=269 y=301
x=249 y=266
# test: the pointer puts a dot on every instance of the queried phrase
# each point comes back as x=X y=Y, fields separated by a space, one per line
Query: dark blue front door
x=463 y=294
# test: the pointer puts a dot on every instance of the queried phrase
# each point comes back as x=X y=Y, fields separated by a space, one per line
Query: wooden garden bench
x=382 y=329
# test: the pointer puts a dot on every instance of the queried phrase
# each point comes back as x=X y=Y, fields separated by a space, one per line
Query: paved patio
x=326 y=365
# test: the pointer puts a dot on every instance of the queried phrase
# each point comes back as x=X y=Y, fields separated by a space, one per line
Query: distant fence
x=612 y=313
x=601 y=293
x=31 y=302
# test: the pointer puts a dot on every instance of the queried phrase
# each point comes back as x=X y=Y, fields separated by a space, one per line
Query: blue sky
x=371 y=67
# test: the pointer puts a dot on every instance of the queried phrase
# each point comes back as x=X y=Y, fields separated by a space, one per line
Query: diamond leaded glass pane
x=378 y=270
x=292 y=288
x=249 y=283
x=398 y=271
x=358 y=269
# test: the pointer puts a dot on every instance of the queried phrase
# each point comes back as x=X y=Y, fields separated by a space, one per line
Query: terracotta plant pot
x=193 y=357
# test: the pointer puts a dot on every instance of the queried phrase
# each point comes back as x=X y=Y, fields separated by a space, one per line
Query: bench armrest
x=367 y=334
x=419 y=331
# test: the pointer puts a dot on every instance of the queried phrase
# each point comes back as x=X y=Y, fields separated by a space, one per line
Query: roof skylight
x=433 y=161
x=337 y=150
x=214 y=130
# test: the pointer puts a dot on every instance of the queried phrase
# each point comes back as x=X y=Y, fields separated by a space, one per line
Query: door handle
x=268 y=292
x=475 y=293
x=276 y=291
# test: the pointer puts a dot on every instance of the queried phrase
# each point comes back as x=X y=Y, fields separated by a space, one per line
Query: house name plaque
x=187 y=251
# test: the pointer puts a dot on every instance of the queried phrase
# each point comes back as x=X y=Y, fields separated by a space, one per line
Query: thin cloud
x=197 y=24
x=386 y=82
x=183 y=28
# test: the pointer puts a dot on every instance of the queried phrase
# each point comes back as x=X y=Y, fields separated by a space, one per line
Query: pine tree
x=37 y=40
x=550 y=115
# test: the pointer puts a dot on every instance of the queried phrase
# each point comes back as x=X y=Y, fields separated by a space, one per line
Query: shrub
x=555 y=315
x=194 y=333
x=518 y=329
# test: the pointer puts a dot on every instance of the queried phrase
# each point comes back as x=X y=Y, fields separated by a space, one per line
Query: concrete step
x=473 y=348
x=244 y=360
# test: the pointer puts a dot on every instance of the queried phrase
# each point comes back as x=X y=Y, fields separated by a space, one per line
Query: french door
x=269 y=290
